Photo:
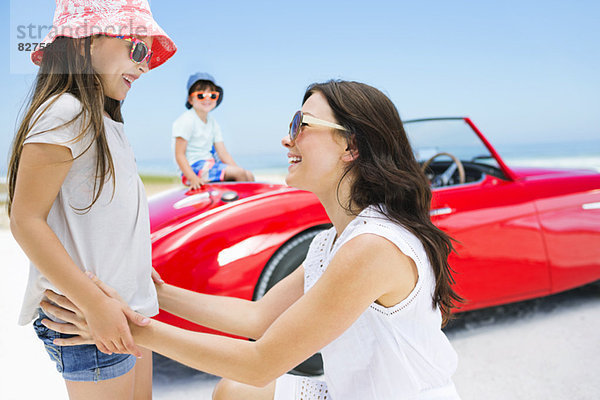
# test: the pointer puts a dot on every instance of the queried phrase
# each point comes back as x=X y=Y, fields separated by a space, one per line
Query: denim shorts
x=83 y=362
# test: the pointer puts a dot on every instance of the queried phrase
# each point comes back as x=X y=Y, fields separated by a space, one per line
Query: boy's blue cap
x=202 y=76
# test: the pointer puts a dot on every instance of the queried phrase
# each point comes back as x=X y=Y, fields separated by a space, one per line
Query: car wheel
x=284 y=262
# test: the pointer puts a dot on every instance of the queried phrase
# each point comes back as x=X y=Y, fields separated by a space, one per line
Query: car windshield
x=429 y=137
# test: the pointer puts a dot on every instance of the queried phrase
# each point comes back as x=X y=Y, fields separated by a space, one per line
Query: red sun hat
x=83 y=18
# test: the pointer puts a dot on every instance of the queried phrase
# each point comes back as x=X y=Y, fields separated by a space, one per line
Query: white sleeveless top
x=398 y=352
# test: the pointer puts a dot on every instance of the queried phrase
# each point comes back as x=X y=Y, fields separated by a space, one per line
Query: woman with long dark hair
x=372 y=294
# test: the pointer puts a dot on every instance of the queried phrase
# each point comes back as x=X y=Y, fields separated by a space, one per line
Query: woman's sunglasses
x=139 y=50
x=300 y=119
x=206 y=95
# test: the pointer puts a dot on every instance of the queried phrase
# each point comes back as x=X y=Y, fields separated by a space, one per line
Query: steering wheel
x=447 y=174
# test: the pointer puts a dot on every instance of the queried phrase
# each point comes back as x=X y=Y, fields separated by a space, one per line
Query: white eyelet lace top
x=398 y=352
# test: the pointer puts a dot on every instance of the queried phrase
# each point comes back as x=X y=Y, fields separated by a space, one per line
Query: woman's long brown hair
x=67 y=68
x=386 y=173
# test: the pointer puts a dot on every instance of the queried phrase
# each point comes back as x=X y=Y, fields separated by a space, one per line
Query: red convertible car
x=520 y=232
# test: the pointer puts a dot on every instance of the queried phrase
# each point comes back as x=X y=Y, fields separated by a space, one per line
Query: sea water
x=273 y=167
x=563 y=155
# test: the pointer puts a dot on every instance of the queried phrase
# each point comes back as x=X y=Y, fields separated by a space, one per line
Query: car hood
x=177 y=205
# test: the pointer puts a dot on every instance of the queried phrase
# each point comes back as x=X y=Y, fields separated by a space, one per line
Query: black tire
x=284 y=262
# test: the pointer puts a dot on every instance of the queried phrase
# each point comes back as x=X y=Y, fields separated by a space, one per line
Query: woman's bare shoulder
x=381 y=259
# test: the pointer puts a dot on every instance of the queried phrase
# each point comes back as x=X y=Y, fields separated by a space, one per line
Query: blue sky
x=525 y=71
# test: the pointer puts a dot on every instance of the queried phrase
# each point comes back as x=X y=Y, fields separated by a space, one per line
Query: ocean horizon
x=570 y=155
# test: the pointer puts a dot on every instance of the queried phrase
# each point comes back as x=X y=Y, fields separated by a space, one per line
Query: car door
x=569 y=208
x=500 y=254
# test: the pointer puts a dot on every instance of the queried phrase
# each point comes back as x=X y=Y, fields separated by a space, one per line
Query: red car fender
x=218 y=251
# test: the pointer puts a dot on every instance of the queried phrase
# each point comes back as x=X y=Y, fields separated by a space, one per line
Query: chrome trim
x=191 y=200
x=591 y=206
x=441 y=211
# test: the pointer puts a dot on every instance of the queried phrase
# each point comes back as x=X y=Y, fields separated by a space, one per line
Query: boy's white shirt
x=112 y=239
x=200 y=136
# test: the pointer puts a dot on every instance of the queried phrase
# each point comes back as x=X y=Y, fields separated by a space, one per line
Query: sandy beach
x=544 y=349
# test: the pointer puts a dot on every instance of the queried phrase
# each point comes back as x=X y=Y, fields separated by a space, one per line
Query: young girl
x=372 y=294
x=71 y=204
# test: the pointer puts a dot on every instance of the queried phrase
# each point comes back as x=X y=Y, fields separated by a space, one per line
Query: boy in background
x=198 y=137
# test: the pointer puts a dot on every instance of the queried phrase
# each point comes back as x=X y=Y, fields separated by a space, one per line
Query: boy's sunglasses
x=300 y=119
x=139 y=50
x=205 y=95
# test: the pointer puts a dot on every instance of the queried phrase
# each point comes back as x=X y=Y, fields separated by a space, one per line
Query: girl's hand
x=108 y=326
x=131 y=315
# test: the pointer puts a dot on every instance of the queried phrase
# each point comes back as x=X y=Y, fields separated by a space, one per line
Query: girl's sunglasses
x=300 y=119
x=139 y=50
x=206 y=95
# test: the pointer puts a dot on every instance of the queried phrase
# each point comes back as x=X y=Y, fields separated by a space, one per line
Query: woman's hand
x=156 y=278
x=94 y=327
x=110 y=318
x=75 y=323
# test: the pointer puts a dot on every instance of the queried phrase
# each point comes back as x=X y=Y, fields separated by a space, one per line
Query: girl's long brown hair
x=387 y=173
x=67 y=68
